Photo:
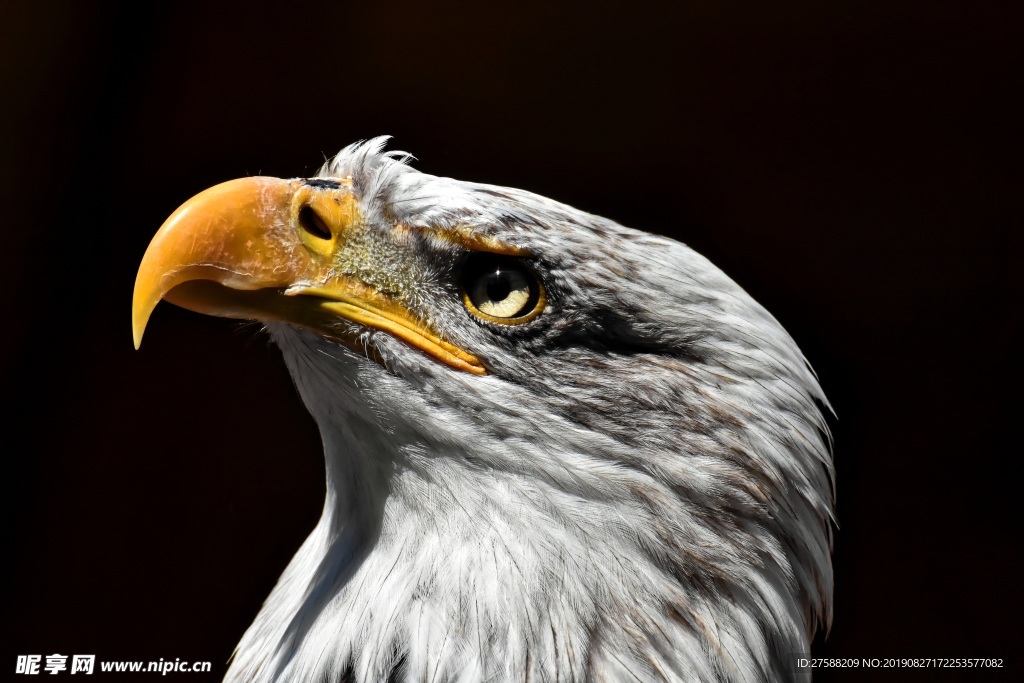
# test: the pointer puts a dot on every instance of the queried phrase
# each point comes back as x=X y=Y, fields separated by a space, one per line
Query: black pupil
x=498 y=287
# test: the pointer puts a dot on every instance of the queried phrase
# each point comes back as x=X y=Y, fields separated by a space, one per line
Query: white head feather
x=640 y=488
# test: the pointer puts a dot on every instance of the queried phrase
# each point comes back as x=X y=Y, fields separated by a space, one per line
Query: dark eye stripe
x=323 y=183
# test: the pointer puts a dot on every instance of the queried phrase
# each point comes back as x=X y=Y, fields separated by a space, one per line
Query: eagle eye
x=501 y=289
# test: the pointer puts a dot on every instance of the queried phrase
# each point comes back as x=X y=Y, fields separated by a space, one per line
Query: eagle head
x=556 y=448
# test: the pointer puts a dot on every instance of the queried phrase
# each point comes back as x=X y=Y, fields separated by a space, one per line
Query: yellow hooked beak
x=262 y=248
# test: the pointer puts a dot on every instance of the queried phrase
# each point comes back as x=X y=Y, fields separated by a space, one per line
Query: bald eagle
x=557 y=449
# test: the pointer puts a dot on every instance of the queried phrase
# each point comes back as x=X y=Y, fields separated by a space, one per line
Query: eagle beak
x=263 y=248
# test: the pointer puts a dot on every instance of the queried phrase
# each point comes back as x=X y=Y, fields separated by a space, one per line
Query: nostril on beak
x=311 y=222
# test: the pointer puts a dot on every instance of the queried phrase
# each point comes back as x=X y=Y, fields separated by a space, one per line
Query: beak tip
x=137 y=334
x=139 y=319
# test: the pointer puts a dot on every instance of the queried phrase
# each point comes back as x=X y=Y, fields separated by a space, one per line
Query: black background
x=856 y=166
